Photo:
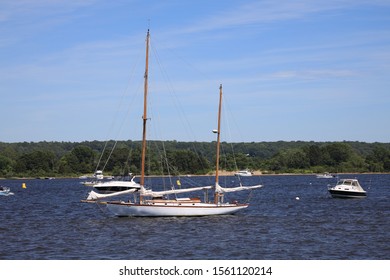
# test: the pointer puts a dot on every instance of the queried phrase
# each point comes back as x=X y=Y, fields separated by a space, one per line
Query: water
x=47 y=221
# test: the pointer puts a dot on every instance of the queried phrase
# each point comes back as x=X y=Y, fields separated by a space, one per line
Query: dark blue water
x=48 y=221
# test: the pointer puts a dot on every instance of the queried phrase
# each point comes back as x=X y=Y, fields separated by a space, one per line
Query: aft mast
x=217 y=195
x=145 y=117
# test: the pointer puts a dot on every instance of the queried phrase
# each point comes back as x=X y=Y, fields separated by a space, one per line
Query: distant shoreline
x=221 y=173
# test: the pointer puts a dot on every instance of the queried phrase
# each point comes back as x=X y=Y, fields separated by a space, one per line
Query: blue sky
x=291 y=70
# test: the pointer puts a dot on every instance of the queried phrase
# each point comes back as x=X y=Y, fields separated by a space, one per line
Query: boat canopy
x=351 y=182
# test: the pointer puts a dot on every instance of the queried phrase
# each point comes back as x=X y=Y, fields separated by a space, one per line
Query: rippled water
x=47 y=221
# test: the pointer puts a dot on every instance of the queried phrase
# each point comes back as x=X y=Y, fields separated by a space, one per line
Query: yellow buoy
x=24 y=186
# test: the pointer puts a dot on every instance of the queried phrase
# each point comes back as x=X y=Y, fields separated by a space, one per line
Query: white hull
x=243 y=173
x=122 y=209
x=4 y=191
x=347 y=188
x=325 y=176
x=116 y=186
x=347 y=194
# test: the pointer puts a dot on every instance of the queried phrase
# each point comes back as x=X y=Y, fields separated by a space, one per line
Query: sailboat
x=149 y=203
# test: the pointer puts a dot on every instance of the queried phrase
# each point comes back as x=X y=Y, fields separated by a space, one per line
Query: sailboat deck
x=180 y=200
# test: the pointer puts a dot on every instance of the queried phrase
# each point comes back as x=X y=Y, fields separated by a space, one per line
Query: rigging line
x=120 y=102
x=109 y=156
x=171 y=90
x=126 y=163
x=177 y=103
x=229 y=133
x=230 y=119
x=249 y=197
x=101 y=155
x=229 y=115
x=189 y=64
x=163 y=153
x=119 y=131
x=167 y=163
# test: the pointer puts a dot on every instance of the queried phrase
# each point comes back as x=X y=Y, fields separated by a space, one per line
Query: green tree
x=5 y=166
x=289 y=159
x=79 y=160
x=338 y=153
x=314 y=155
x=36 y=163
x=187 y=162
x=379 y=159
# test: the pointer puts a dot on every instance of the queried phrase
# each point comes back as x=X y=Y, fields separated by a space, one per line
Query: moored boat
x=243 y=173
x=347 y=188
x=5 y=191
x=325 y=175
x=115 y=186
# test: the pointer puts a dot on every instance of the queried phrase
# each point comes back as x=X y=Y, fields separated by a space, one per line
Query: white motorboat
x=98 y=175
x=325 y=175
x=5 y=191
x=243 y=173
x=96 y=178
x=347 y=188
x=115 y=186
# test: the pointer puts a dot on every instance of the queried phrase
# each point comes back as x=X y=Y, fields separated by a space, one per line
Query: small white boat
x=326 y=175
x=243 y=173
x=116 y=186
x=98 y=175
x=89 y=183
x=5 y=191
x=347 y=188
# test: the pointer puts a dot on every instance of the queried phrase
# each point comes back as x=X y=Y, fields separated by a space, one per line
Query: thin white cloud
x=269 y=11
x=11 y=9
x=28 y=18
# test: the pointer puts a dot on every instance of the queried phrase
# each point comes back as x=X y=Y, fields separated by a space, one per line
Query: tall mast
x=145 y=117
x=217 y=195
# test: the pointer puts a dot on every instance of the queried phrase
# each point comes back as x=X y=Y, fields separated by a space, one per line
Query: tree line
x=69 y=159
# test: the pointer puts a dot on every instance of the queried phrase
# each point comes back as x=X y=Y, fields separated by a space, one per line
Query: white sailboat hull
x=122 y=209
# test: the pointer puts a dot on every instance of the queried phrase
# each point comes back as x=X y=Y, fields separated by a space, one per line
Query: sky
x=291 y=70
